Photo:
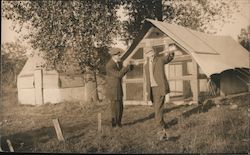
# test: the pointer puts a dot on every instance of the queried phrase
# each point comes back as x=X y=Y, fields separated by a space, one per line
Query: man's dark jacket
x=114 y=79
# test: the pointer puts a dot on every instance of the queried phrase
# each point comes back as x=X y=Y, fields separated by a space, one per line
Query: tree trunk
x=15 y=79
x=96 y=87
x=90 y=86
x=159 y=10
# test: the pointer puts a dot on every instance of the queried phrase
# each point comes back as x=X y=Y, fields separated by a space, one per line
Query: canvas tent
x=37 y=86
x=200 y=56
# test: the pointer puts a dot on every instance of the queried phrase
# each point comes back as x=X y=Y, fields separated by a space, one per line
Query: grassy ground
x=30 y=128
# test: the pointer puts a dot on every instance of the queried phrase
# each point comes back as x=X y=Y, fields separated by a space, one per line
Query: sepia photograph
x=125 y=76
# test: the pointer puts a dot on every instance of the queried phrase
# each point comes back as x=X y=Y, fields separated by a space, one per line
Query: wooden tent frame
x=146 y=43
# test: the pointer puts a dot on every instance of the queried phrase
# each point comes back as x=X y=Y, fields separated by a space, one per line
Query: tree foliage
x=67 y=32
x=13 y=58
x=195 y=14
x=244 y=38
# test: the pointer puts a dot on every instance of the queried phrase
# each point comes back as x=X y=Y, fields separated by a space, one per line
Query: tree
x=13 y=58
x=195 y=14
x=54 y=27
x=244 y=38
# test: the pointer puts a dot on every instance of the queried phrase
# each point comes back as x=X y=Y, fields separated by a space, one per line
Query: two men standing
x=156 y=83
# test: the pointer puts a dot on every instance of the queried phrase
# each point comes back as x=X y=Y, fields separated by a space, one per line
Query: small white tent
x=37 y=85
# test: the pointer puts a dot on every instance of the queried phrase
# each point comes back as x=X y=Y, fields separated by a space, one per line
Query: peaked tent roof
x=36 y=61
x=214 y=54
x=31 y=65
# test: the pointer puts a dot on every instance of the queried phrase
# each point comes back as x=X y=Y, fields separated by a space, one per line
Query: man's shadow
x=152 y=115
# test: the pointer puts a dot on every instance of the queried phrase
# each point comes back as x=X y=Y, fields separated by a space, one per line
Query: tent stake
x=99 y=119
x=58 y=130
x=10 y=145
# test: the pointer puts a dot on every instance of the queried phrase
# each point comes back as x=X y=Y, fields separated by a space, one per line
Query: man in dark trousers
x=115 y=71
x=157 y=85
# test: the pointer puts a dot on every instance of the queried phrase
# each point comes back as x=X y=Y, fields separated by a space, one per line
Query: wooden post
x=38 y=75
x=10 y=145
x=222 y=93
x=147 y=45
x=124 y=89
x=58 y=130
x=195 y=82
x=99 y=119
x=90 y=86
x=166 y=42
x=145 y=94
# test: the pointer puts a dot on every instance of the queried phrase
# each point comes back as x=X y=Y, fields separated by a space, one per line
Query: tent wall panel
x=27 y=96
x=72 y=94
x=50 y=81
x=203 y=85
x=70 y=81
x=230 y=83
x=65 y=94
x=25 y=82
x=51 y=95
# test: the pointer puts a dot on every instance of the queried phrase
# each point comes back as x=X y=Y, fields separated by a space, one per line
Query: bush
x=13 y=59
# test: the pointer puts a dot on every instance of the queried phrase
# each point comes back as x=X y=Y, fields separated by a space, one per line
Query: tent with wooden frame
x=200 y=57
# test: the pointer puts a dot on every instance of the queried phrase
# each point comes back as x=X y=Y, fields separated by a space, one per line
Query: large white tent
x=223 y=51
x=201 y=57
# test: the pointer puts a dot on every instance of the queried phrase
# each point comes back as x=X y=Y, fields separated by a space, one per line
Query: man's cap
x=115 y=51
x=172 y=47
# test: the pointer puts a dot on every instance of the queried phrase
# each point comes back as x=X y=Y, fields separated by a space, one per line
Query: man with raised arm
x=157 y=85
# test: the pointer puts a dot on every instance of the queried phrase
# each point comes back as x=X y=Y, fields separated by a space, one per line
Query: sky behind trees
x=242 y=20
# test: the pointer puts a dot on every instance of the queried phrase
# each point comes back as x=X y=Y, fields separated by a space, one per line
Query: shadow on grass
x=171 y=138
x=174 y=138
x=26 y=141
x=152 y=115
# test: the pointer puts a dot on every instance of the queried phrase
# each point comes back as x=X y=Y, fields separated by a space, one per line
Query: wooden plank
x=99 y=120
x=154 y=41
x=124 y=90
x=38 y=75
x=206 y=53
x=195 y=82
x=181 y=58
x=70 y=75
x=237 y=95
x=10 y=145
x=208 y=104
x=138 y=61
x=194 y=110
x=133 y=102
x=58 y=130
x=140 y=80
x=126 y=61
x=147 y=34
x=187 y=77
x=145 y=93
x=199 y=108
